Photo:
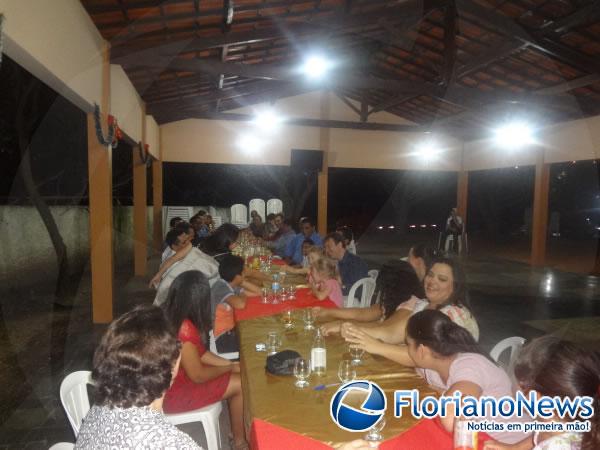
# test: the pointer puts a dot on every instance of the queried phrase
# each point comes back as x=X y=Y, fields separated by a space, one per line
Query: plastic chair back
x=74 y=397
x=274 y=206
x=373 y=273
x=62 y=446
x=239 y=215
x=258 y=205
x=511 y=344
x=367 y=287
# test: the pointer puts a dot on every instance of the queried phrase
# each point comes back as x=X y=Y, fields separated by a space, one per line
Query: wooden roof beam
x=450 y=47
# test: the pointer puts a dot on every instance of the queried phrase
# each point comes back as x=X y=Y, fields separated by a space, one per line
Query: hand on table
x=358 y=444
x=360 y=339
x=330 y=328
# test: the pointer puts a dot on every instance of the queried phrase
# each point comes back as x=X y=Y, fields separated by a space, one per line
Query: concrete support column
x=101 y=209
x=140 y=248
x=323 y=177
x=157 y=201
x=462 y=195
x=540 y=211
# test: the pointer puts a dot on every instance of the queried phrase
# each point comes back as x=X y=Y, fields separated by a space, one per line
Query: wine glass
x=264 y=295
x=309 y=319
x=374 y=434
x=288 y=319
x=284 y=294
x=293 y=292
x=273 y=342
x=356 y=354
x=346 y=372
x=301 y=372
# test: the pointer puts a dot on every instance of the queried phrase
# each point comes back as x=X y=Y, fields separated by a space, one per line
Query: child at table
x=310 y=253
x=325 y=281
x=226 y=295
x=554 y=367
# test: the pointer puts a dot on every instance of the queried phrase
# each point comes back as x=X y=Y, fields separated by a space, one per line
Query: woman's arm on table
x=390 y=331
x=397 y=353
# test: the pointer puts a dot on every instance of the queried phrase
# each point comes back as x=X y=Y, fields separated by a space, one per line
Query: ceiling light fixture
x=514 y=135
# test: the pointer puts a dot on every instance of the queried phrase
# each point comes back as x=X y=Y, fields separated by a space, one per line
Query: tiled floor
x=40 y=343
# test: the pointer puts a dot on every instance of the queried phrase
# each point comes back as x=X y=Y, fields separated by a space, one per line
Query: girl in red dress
x=203 y=377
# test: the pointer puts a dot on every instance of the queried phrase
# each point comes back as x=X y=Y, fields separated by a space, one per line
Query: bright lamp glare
x=249 y=144
x=267 y=120
x=428 y=151
x=315 y=67
x=514 y=135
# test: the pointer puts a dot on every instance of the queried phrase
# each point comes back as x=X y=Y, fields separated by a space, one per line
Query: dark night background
x=498 y=199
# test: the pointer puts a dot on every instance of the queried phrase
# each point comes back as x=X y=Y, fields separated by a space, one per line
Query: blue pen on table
x=320 y=387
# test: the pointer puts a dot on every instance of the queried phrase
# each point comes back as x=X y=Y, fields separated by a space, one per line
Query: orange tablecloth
x=426 y=435
x=255 y=307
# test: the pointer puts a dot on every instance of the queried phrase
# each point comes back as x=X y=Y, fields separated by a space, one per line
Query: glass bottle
x=318 y=355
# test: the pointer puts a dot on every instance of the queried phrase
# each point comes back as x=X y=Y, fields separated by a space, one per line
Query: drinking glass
x=346 y=372
x=264 y=295
x=273 y=342
x=356 y=354
x=288 y=319
x=464 y=439
x=374 y=436
x=293 y=292
x=284 y=294
x=301 y=372
x=309 y=319
x=282 y=277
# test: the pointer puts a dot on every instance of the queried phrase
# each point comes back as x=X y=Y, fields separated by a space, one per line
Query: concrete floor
x=40 y=343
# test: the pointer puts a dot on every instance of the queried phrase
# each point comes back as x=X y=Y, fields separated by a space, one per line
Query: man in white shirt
x=176 y=239
x=454 y=227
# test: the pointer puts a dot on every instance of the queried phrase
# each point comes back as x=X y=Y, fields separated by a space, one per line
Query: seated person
x=203 y=377
x=351 y=267
x=187 y=258
x=174 y=221
x=554 y=367
x=293 y=252
x=270 y=228
x=325 y=281
x=348 y=238
x=257 y=227
x=225 y=295
x=210 y=224
x=134 y=366
x=284 y=236
x=310 y=253
x=449 y=359
x=445 y=291
x=176 y=239
x=396 y=283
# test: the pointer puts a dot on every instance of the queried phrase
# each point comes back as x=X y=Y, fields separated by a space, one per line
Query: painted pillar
x=157 y=201
x=140 y=248
x=540 y=211
x=323 y=177
x=101 y=208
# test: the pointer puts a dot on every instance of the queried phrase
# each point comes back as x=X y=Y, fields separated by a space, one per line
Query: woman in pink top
x=326 y=281
x=450 y=360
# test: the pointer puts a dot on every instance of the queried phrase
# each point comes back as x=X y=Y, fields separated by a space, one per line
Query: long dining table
x=279 y=415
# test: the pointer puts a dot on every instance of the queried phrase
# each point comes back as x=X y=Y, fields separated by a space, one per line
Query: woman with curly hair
x=134 y=366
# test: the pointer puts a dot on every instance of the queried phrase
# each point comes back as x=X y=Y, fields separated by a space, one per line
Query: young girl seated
x=325 y=281
x=553 y=367
x=448 y=358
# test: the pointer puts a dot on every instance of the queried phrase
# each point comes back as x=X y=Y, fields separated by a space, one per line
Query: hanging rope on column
x=1 y=37
x=145 y=154
x=112 y=129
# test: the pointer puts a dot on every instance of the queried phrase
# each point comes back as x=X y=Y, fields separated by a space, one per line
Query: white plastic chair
x=213 y=348
x=62 y=446
x=274 y=206
x=212 y=211
x=208 y=416
x=513 y=345
x=239 y=215
x=373 y=273
x=185 y=212
x=258 y=205
x=74 y=397
x=368 y=287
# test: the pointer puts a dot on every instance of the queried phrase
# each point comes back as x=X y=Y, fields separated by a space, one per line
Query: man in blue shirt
x=286 y=234
x=351 y=267
x=293 y=252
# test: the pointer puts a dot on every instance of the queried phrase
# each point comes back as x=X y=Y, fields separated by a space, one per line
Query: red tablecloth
x=426 y=435
x=255 y=307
